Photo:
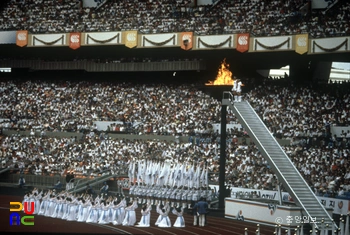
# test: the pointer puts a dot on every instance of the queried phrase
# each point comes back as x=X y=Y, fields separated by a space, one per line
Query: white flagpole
x=347 y=225
x=313 y=231
x=341 y=225
x=279 y=230
x=333 y=228
x=258 y=229
x=322 y=227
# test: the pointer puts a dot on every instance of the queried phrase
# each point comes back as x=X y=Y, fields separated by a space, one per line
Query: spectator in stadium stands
x=104 y=188
x=260 y=18
x=89 y=189
x=58 y=185
x=141 y=116
x=21 y=182
x=280 y=107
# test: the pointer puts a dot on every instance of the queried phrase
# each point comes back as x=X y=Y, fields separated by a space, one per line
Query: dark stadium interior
x=241 y=64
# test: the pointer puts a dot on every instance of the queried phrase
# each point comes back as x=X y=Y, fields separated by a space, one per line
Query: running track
x=216 y=225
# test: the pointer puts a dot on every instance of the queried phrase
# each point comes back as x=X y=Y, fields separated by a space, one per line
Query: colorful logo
x=16 y=219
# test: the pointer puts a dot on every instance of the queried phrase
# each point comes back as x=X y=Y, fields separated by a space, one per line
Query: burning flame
x=224 y=76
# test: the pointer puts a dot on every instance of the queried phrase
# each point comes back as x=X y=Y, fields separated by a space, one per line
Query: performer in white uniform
x=93 y=214
x=180 y=221
x=104 y=213
x=84 y=210
x=57 y=208
x=164 y=220
x=130 y=215
x=146 y=216
x=62 y=208
x=72 y=213
x=37 y=196
x=119 y=212
x=51 y=206
x=237 y=89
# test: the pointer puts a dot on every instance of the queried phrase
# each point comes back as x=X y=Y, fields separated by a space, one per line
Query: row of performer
x=100 y=210
x=181 y=195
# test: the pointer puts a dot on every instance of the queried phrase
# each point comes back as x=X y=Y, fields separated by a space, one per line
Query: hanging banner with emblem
x=186 y=40
x=242 y=42
x=130 y=39
x=74 y=40
x=22 y=38
x=301 y=43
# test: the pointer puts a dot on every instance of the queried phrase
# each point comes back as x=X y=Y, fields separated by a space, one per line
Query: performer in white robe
x=67 y=208
x=130 y=215
x=115 y=212
x=164 y=174
x=72 y=213
x=159 y=208
x=37 y=196
x=119 y=212
x=237 y=89
x=164 y=221
x=99 y=208
x=58 y=206
x=51 y=206
x=146 y=216
x=103 y=219
x=62 y=208
x=86 y=210
x=83 y=211
x=44 y=203
x=110 y=210
x=93 y=215
x=69 y=204
x=180 y=221
x=79 y=207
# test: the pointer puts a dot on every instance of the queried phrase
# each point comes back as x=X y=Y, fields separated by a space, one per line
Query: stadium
x=175 y=116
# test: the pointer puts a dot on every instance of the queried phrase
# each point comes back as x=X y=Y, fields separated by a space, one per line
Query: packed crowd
x=261 y=18
x=74 y=106
x=281 y=107
x=326 y=169
x=320 y=157
x=99 y=210
x=164 y=109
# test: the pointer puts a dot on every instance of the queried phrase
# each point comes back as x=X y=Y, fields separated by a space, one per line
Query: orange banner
x=22 y=38
x=242 y=42
x=74 y=40
x=186 y=40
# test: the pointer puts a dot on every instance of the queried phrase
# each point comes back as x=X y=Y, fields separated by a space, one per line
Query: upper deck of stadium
x=258 y=17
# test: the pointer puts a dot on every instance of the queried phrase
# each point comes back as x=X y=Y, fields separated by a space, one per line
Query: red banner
x=22 y=38
x=186 y=40
x=242 y=42
x=74 y=40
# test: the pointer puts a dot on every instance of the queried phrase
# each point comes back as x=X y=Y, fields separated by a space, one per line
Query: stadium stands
x=73 y=106
x=260 y=18
x=302 y=115
x=320 y=158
